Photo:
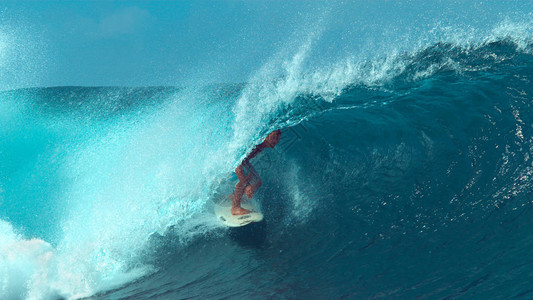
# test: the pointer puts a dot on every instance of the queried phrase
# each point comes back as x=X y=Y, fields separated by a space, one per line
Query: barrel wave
x=403 y=175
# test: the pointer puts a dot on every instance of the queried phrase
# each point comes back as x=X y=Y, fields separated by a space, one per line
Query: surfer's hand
x=249 y=192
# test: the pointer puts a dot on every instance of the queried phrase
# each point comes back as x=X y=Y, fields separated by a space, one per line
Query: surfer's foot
x=237 y=211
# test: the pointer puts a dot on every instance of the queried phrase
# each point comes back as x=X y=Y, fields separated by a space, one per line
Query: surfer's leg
x=236 y=208
x=254 y=181
x=250 y=189
x=256 y=185
x=237 y=194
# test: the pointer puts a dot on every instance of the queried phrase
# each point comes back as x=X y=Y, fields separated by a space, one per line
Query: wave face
x=405 y=175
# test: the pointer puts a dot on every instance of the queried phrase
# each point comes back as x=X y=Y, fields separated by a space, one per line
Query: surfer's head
x=273 y=138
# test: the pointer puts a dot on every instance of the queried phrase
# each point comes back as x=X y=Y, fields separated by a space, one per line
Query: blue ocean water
x=406 y=175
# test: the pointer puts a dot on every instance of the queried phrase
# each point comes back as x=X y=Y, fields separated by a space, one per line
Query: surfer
x=249 y=183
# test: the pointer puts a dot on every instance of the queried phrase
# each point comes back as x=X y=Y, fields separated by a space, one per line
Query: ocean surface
x=402 y=175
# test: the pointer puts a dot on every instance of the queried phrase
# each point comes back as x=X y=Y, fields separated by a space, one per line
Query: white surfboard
x=223 y=212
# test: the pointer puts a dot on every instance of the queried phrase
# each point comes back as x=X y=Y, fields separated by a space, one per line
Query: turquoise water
x=404 y=175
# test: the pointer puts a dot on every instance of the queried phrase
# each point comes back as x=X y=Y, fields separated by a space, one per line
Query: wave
x=100 y=176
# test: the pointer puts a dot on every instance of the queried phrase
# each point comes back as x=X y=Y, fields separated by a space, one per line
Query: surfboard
x=223 y=212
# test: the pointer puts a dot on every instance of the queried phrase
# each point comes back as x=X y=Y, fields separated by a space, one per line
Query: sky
x=134 y=43
x=154 y=43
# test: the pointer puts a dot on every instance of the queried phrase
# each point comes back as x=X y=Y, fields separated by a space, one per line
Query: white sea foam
x=26 y=266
